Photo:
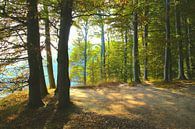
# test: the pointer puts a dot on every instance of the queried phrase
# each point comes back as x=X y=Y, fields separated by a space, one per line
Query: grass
x=102 y=84
x=175 y=84
x=14 y=113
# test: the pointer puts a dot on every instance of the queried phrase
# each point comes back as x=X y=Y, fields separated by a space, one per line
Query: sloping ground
x=112 y=107
x=160 y=107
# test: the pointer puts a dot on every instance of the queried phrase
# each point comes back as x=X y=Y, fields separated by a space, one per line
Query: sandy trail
x=162 y=108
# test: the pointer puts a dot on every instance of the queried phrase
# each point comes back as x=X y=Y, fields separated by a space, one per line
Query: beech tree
x=167 y=66
x=136 y=69
x=63 y=81
x=33 y=49
x=48 y=49
x=146 y=12
x=129 y=40
x=181 y=75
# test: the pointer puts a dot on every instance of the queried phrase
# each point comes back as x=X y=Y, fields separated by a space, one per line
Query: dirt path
x=160 y=108
x=110 y=107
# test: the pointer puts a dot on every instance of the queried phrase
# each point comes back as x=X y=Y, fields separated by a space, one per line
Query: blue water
x=55 y=69
x=55 y=65
x=44 y=67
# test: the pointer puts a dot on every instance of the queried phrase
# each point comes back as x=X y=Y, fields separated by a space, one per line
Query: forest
x=97 y=64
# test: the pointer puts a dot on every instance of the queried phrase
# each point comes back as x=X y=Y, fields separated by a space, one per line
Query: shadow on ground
x=72 y=118
x=123 y=107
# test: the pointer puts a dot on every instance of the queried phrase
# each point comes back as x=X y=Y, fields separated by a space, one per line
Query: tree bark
x=146 y=43
x=103 y=59
x=167 y=67
x=33 y=49
x=85 y=50
x=43 y=86
x=135 y=46
x=108 y=57
x=188 y=49
x=63 y=81
x=48 y=50
x=181 y=75
x=125 y=57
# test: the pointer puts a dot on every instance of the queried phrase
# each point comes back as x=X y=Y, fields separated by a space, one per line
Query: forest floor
x=113 y=106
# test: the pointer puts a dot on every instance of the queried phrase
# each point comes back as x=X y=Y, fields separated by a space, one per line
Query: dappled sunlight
x=148 y=82
x=97 y=64
x=128 y=96
x=78 y=93
x=134 y=103
x=117 y=108
x=140 y=95
x=114 y=96
x=94 y=106
x=169 y=103
x=108 y=101
x=132 y=100
x=12 y=117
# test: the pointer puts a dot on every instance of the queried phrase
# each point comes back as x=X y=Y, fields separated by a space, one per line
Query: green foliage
x=77 y=63
x=116 y=16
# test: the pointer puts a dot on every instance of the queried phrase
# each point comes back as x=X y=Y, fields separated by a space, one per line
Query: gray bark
x=146 y=43
x=188 y=50
x=125 y=57
x=103 y=59
x=135 y=46
x=167 y=67
x=43 y=86
x=63 y=81
x=85 y=50
x=33 y=49
x=181 y=75
x=48 y=50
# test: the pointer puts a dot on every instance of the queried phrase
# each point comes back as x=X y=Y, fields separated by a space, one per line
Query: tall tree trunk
x=146 y=42
x=135 y=46
x=181 y=75
x=33 y=49
x=48 y=50
x=125 y=57
x=103 y=59
x=63 y=81
x=85 y=50
x=108 y=58
x=167 y=67
x=43 y=86
x=188 y=49
x=93 y=72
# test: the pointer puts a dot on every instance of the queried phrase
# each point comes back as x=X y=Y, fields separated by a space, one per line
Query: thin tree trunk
x=181 y=75
x=146 y=43
x=125 y=57
x=85 y=51
x=48 y=50
x=33 y=49
x=103 y=59
x=108 y=57
x=43 y=86
x=188 y=50
x=93 y=72
x=167 y=68
x=63 y=81
x=135 y=46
